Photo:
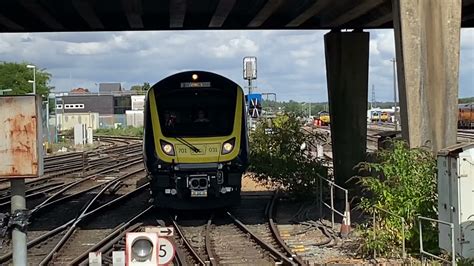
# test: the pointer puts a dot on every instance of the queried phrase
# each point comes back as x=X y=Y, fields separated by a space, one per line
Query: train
x=466 y=115
x=379 y=117
x=195 y=141
x=324 y=117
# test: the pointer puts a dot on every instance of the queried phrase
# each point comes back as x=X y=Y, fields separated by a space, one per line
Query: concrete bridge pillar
x=427 y=40
x=347 y=68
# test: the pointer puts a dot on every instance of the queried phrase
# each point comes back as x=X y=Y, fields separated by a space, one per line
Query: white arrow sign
x=161 y=231
x=165 y=251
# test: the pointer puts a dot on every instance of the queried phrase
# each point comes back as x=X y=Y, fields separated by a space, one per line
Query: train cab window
x=196 y=113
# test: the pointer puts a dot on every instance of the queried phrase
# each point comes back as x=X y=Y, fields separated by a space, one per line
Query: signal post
x=21 y=153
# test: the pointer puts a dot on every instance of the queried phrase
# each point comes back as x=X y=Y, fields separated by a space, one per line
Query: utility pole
x=373 y=97
x=34 y=77
x=395 y=120
x=249 y=73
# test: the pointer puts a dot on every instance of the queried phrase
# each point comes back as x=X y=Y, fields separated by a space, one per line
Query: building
x=138 y=102
x=85 y=103
x=110 y=88
x=111 y=105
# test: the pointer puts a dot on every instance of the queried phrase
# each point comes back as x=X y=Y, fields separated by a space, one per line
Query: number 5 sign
x=165 y=251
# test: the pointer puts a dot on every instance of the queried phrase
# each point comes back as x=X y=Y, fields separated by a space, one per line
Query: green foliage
x=403 y=182
x=277 y=159
x=15 y=76
x=128 y=131
x=466 y=100
x=136 y=88
x=296 y=108
x=141 y=88
x=146 y=86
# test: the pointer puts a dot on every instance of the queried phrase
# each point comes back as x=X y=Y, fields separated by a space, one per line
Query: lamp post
x=395 y=120
x=34 y=77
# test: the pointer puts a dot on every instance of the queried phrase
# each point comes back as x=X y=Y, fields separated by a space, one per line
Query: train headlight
x=142 y=249
x=194 y=76
x=167 y=148
x=228 y=146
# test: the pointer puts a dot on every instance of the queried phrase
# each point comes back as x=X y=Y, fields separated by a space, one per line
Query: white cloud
x=88 y=48
x=235 y=46
x=290 y=63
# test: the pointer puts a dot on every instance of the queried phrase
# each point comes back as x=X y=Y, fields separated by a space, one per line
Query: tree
x=146 y=86
x=278 y=159
x=137 y=88
x=15 y=76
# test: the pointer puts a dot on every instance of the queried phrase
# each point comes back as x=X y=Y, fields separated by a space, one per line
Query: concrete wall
x=67 y=121
x=134 y=118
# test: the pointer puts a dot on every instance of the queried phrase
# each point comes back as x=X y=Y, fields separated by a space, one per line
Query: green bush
x=276 y=157
x=128 y=131
x=403 y=182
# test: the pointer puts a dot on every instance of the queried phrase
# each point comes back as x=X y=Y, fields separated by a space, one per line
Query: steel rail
x=77 y=220
x=262 y=243
x=31 y=195
x=52 y=203
x=186 y=242
x=49 y=174
x=276 y=232
x=117 y=234
x=33 y=189
x=89 y=177
x=62 y=227
x=210 y=252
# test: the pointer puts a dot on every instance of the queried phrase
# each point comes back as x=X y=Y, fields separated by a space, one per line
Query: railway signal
x=146 y=248
x=141 y=248
x=255 y=104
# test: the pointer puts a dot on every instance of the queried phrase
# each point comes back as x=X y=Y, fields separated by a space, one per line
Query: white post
x=395 y=94
x=18 y=203
x=34 y=80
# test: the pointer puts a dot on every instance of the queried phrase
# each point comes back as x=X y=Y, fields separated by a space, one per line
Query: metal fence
x=112 y=121
x=402 y=220
x=330 y=206
x=424 y=252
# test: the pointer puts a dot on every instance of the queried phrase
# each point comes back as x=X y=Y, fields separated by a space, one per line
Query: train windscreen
x=204 y=112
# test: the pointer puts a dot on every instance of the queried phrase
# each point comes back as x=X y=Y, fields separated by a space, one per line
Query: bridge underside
x=125 y=15
x=427 y=36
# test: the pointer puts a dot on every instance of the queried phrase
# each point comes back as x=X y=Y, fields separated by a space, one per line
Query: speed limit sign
x=166 y=251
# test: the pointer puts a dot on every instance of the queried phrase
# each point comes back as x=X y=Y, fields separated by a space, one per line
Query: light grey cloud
x=290 y=63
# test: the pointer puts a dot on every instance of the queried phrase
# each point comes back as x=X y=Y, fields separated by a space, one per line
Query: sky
x=289 y=63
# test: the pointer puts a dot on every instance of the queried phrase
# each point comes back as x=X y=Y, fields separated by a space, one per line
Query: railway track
x=61 y=243
x=90 y=178
x=55 y=201
x=223 y=238
x=60 y=165
x=204 y=238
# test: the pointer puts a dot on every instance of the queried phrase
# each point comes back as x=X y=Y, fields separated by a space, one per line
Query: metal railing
x=423 y=252
x=402 y=220
x=330 y=206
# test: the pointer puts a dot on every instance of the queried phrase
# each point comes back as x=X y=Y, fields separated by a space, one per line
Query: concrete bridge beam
x=427 y=41
x=347 y=68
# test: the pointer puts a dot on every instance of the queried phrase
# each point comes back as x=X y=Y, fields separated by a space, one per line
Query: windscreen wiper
x=189 y=145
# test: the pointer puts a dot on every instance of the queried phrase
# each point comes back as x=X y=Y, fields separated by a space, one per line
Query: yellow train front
x=195 y=141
